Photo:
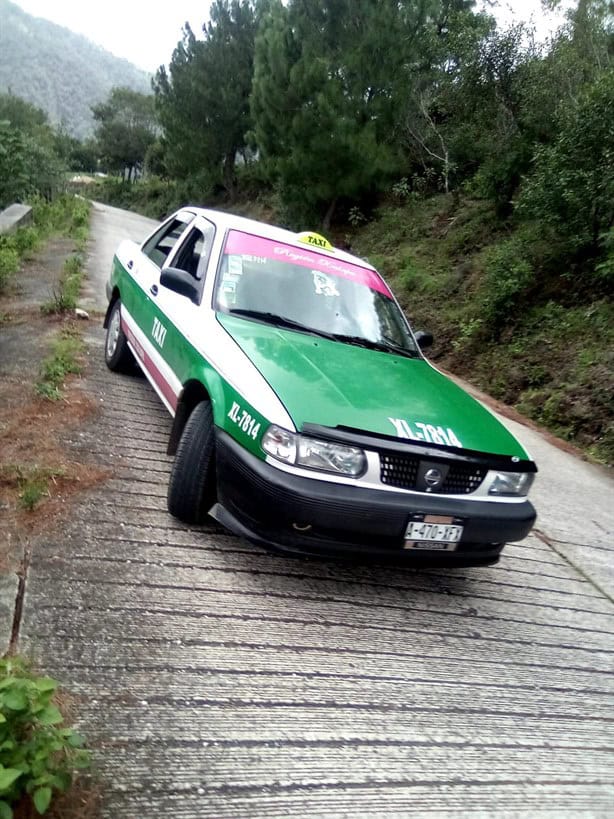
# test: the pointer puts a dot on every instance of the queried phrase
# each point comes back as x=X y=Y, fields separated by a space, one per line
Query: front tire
x=116 y=351
x=191 y=489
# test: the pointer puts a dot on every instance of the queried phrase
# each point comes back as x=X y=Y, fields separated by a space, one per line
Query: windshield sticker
x=244 y=244
x=323 y=284
x=428 y=433
x=235 y=266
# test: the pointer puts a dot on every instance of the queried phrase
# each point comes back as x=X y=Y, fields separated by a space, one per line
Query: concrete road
x=108 y=226
x=218 y=680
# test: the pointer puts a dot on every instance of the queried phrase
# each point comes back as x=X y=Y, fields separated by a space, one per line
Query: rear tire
x=191 y=489
x=116 y=351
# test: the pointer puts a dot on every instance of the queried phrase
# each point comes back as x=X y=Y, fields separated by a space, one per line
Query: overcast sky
x=146 y=33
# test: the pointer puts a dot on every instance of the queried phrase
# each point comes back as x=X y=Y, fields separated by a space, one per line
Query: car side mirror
x=424 y=339
x=180 y=282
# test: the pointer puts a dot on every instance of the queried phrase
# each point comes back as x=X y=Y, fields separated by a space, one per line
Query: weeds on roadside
x=66 y=214
x=64 y=298
x=38 y=755
x=32 y=482
x=63 y=360
x=9 y=261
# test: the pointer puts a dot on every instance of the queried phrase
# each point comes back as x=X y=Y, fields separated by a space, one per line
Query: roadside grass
x=65 y=295
x=67 y=215
x=64 y=360
x=32 y=482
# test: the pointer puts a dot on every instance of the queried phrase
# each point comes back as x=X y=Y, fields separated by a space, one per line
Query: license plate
x=434 y=533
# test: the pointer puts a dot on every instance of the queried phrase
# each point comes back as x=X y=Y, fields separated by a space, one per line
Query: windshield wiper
x=383 y=346
x=280 y=321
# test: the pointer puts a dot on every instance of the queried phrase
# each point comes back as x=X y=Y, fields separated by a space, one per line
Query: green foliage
x=323 y=102
x=152 y=196
x=604 y=271
x=25 y=239
x=126 y=129
x=22 y=115
x=32 y=482
x=29 y=161
x=572 y=186
x=38 y=755
x=507 y=276
x=66 y=296
x=9 y=261
x=356 y=216
x=203 y=97
x=64 y=359
x=402 y=190
x=67 y=214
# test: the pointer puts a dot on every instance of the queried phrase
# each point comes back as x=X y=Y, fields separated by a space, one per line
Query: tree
x=572 y=185
x=21 y=114
x=203 y=98
x=29 y=161
x=328 y=78
x=127 y=127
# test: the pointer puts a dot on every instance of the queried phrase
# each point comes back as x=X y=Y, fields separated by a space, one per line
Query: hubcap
x=113 y=333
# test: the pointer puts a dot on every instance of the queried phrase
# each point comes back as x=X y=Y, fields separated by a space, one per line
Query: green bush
x=9 y=262
x=507 y=274
x=37 y=755
x=26 y=239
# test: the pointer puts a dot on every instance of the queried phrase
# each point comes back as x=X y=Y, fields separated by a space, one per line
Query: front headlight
x=511 y=483
x=313 y=453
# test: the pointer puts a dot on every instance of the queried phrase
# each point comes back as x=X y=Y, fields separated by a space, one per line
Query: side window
x=193 y=254
x=163 y=241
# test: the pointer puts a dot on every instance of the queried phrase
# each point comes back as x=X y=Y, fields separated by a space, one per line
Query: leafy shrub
x=64 y=214
x=507 y=275
x=37 y=755
x=401 y=190
x=9 y=263
x=604 y=271
x=25 y=240
x=356 y=217
x=572 y=185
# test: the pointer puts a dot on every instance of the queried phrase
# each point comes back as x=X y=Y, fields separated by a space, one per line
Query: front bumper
x=273 y=508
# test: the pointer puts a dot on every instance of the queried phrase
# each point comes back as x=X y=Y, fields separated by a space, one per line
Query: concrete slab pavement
x=218 y=680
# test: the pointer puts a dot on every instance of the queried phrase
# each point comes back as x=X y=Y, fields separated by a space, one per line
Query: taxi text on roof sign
x=315 y=240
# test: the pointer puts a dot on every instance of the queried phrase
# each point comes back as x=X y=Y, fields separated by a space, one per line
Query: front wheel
x=116 y=351
x=191 y=489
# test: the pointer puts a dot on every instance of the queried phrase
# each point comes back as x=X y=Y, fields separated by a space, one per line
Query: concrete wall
x=15 y=216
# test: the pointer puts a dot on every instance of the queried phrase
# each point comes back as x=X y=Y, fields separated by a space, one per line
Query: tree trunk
x=228 y=174
x=329 y=215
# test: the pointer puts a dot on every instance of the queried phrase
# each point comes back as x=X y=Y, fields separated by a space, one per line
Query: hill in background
x=59 y=71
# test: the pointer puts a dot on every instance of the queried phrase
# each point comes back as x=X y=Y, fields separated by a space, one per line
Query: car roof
x=230 y=221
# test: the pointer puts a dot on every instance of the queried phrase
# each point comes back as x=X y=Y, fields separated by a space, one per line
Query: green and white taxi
x=306 y=417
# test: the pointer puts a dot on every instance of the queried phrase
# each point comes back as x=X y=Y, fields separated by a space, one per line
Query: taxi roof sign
x=308 y=237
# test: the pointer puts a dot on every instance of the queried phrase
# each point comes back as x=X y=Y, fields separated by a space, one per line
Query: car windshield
x=270 y=281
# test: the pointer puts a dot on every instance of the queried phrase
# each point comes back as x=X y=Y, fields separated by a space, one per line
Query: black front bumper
x=296 y=514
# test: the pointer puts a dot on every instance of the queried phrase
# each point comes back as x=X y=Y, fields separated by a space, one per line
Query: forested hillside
x=61 y=72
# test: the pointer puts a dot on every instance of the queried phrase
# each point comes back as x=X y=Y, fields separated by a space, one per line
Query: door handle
x=130 y=265
x=154 y=289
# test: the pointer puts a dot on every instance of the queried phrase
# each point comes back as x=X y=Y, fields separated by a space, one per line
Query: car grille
x=404 y=470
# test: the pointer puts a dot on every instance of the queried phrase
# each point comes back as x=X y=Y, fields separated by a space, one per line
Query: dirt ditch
x=38 y=474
